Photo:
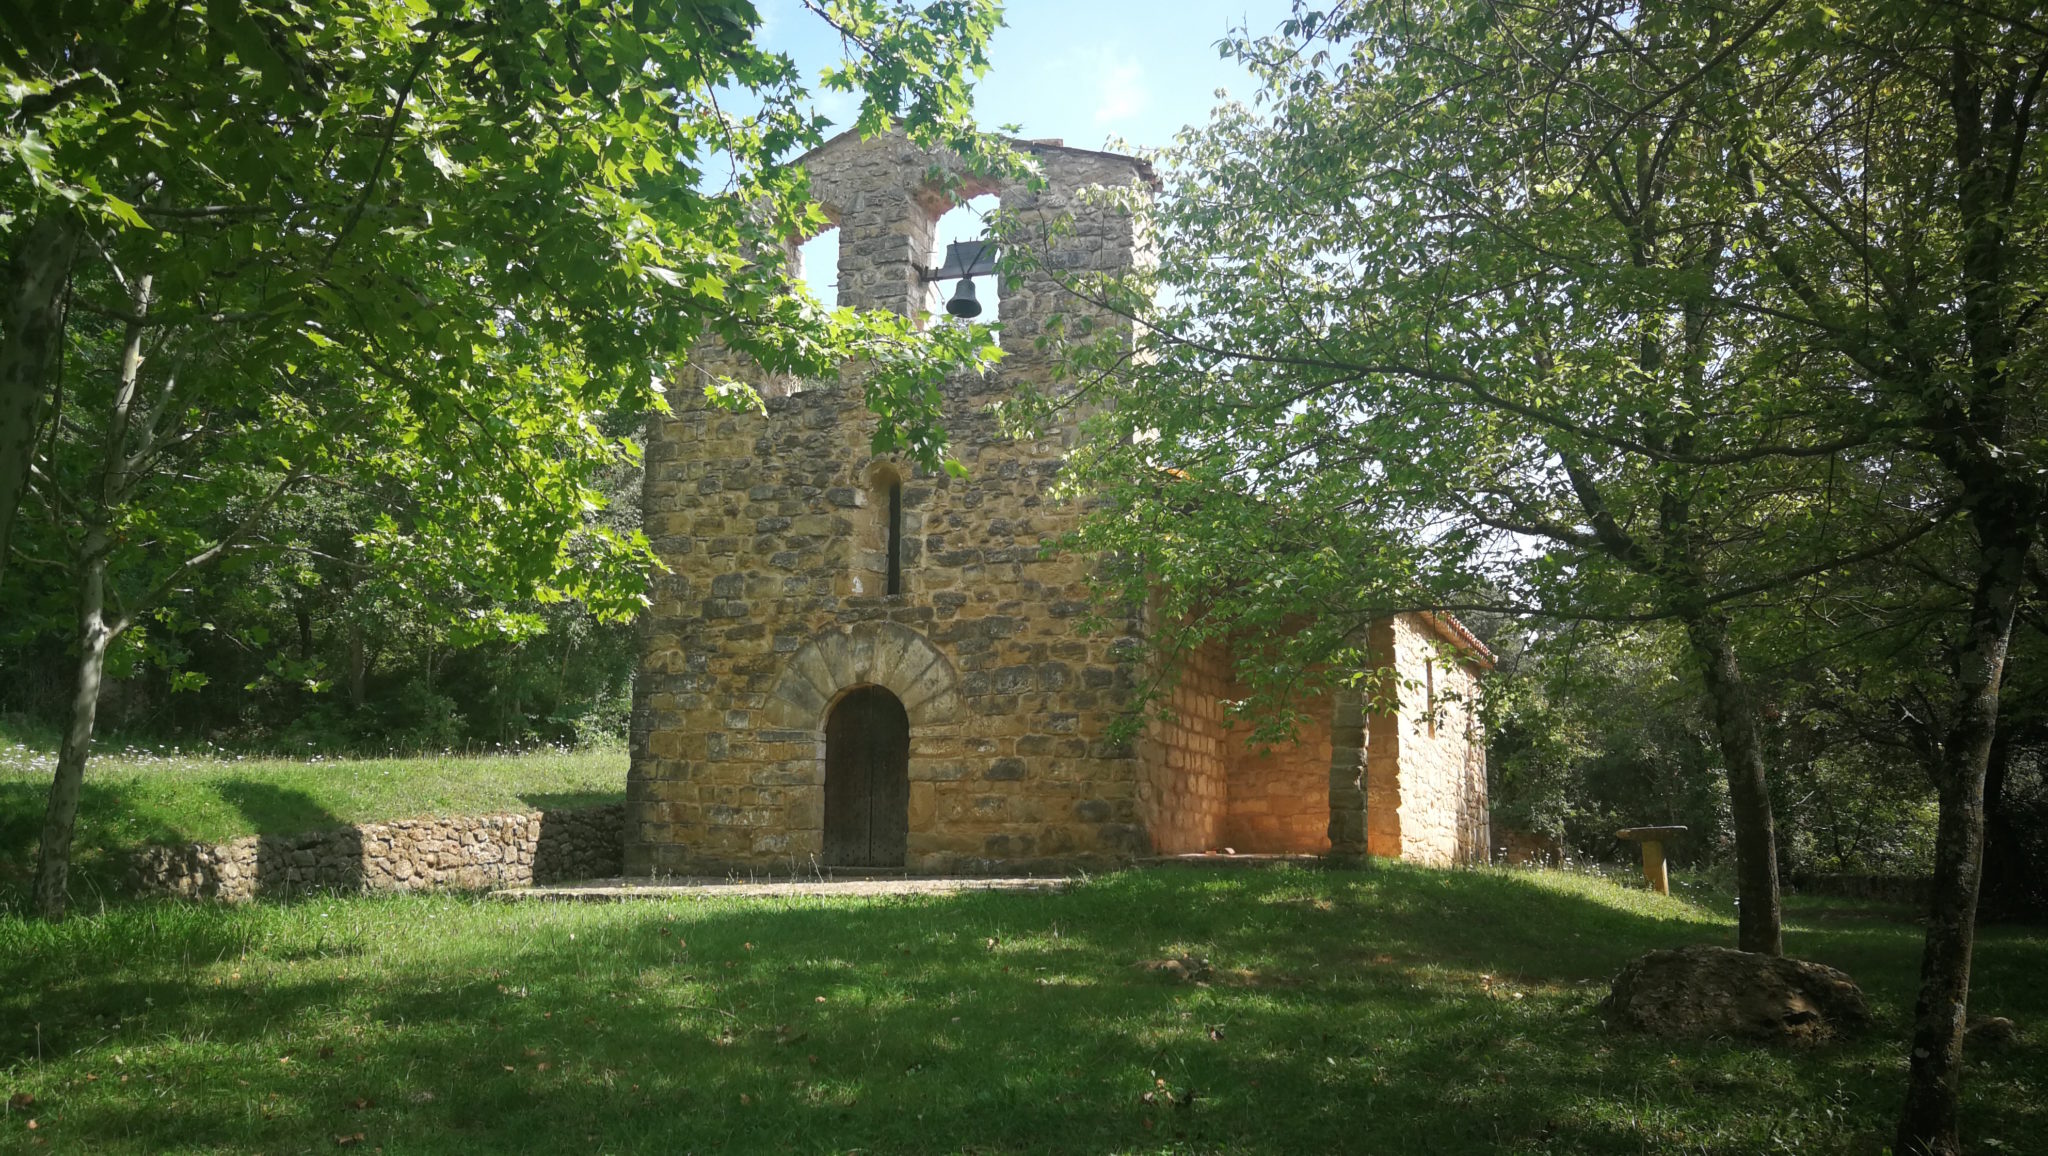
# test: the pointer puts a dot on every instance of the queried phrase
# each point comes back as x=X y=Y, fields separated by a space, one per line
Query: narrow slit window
x=1429 y=691
x=895 y=537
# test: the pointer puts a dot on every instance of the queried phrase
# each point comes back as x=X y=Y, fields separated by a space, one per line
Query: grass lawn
x=135 y=797
x=1395 y=1009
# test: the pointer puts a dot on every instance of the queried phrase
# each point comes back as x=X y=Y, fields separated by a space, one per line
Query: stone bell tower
x=852 y=662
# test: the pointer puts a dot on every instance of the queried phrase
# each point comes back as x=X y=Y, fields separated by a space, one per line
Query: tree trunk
x=1928 y=1123
x=60 y=819
x=1759 y=922
x=31 y=342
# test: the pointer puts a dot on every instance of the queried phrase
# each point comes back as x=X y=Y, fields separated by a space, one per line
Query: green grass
x=1388 y=1010
x=140 y=796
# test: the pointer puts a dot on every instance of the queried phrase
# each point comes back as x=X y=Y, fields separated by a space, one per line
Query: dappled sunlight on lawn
x=1426 y=1010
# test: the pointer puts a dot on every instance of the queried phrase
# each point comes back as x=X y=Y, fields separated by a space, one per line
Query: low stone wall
x=1518 y=848
x=461 y=854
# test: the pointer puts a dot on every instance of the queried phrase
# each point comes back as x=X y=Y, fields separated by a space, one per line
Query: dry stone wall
x=1517 y=848
x=449 y=854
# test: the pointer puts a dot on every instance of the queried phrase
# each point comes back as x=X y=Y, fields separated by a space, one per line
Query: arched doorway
x=867 y=780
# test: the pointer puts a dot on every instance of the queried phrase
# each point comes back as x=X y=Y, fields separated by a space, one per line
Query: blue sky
x=1091 y=74
x=1084 y=72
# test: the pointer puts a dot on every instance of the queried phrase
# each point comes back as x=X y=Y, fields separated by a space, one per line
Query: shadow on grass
x=270 y=809
x=1389 y=1010
x=107 y=831
x=571 y=800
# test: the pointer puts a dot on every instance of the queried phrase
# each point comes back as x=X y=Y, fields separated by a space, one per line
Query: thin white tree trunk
x=53 y=866
x=60 y=818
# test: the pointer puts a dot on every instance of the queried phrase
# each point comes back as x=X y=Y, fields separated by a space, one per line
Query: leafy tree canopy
x=433 y=239
x=415 y=249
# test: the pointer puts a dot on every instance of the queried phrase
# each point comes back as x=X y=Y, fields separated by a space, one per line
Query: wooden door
x=867 y=780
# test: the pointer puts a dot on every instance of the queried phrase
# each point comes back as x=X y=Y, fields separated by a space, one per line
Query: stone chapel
x=855 y=664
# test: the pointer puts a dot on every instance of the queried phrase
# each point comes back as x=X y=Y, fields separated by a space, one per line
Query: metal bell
x=964 y=302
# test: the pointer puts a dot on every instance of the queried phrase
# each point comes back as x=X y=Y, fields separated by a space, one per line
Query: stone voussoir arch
x=881 y=654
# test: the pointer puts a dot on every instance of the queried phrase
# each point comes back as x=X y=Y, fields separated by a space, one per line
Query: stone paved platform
x=618 y=890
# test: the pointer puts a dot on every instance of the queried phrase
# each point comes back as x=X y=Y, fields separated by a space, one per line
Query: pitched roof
x=1454 y=632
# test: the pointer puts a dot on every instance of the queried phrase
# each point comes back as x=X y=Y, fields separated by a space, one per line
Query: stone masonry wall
x=457 y=854
x=1280 y=797
x=1205 y=789
x=775 y=605
x=1426 y=759
x=1186 y=787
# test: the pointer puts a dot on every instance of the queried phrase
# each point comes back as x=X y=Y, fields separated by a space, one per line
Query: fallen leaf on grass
x=362 y=1102
x=20 y=1100
x=344 y=1141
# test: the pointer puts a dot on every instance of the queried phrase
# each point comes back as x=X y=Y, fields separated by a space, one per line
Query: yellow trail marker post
x=1652 y=840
